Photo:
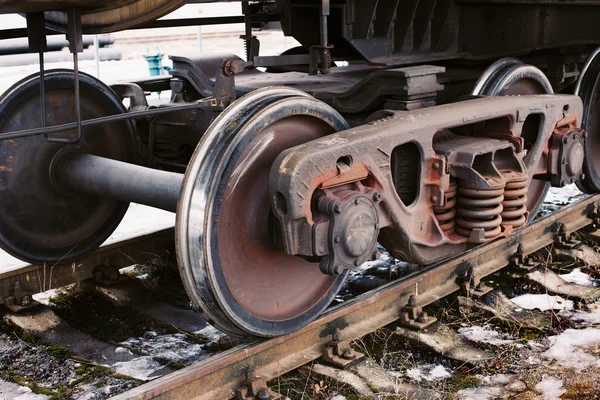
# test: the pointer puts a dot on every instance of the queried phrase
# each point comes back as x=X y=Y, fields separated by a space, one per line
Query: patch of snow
x=484 y=334
x=428 y=372
x=479 y=393
x=578 y=277
x=542 y=302
x=492 y=387
x=173 y=347
x=29 y=395
x=558 y=197
x=569 y=347
x=44 y=297
x=121 y=350
x=140 y=368
x=550 y=389
x=591 y=316
x=210 y=333
x=25 y=393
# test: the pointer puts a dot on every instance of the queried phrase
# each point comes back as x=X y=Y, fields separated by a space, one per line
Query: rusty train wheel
x=231 y=267
x=41 y=222
x=588 y=88
x=511 y=77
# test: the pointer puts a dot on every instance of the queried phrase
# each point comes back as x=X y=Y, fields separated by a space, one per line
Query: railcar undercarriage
x=286 y=171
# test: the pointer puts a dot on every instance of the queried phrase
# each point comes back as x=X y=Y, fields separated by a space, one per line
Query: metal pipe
x=87 y=173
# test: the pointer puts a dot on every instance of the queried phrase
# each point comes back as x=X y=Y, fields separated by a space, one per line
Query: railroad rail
x=220 y=376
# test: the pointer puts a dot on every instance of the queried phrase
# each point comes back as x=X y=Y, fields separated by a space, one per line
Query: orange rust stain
x=9 y=159
x=5 y=168
x=13 y=142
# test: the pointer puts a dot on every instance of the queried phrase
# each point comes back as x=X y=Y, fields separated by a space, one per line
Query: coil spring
x=325 y=59
x=447 y=213
x=479 y=209
x=515 y=201
x=246 y=48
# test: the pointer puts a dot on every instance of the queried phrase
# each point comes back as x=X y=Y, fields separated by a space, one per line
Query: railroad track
x=251 y=364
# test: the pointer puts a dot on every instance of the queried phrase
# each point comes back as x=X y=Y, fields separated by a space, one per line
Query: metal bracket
x=107 y=275
x=255 y=389
x=19 y=299
x=523 y=262
x=595 y=217
x=563 y=240
x=473 y=287
x=412 y=316
x=339 y=353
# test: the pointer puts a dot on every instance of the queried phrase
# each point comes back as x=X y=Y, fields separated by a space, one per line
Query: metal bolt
x=434 y=199
x=337 y=207
x=529 y=262
x=356 y=201
x=357 y=262
x=349 y=354
x=337 y=239
x=376 y=255
x=436 y=166
x=412 y=301
x=377 y=196
x=321 y=249
x=423 y=317
x=26 y=301
x=337 y=335
x=228 y=68
x=263 y=394
x=176 y=85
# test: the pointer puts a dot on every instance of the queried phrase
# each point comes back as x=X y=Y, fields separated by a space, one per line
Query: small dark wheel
x=39 y=221
x=231 y=265
x=511 y=77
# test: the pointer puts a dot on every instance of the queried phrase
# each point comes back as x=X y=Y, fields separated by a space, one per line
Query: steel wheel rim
x=509 y=77
x=204 y=280
x=96 y=225
x=588 y=88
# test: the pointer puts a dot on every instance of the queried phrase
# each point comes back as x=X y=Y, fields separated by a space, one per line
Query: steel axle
x=87 y=173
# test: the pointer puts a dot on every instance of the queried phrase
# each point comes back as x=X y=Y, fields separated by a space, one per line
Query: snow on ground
x=590 y=316
x=542 y=302
x=173 y=347
x=484 y=334
x=569 y=348
x=492 y=387
x=428 y=372
x=12 y=391
x=141 y=368
x=578 y=277
x=559 y=197
x=550 y=389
